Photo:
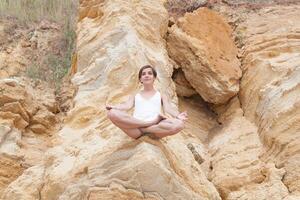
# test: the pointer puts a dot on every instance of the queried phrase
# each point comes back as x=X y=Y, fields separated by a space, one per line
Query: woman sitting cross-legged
x=147 y=117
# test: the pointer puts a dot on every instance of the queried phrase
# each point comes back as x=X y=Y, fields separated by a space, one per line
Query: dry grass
x=62 y=12
x=28 y=11
x=178 y=8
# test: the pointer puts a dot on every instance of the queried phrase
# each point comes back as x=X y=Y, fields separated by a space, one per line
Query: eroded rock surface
x=235 y=154
x=183 y=87
x=270 y=85
x=26 y=105
x=23 y=108
x=201 y=44
x=90 y=155
x=247 y=150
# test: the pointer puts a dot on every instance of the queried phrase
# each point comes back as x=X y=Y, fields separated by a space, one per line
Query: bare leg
x=123 y=120
x=133 y=133
x=165 y=128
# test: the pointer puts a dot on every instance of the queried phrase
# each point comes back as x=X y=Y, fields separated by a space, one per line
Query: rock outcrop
x=183 y=87
x=27 y=118
x=91 y=158
x=201 y=44
x=265 y=166
x=27 y=107
x=270 y=86
x=247 y=149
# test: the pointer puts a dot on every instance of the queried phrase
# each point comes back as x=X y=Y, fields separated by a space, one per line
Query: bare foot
x=146 y=133
x=162 y=116
x=182 y=116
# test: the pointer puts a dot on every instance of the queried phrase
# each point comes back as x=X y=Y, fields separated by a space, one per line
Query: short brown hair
x=145 y=67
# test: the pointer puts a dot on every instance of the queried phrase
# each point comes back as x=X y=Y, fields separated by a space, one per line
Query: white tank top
x=147 y=109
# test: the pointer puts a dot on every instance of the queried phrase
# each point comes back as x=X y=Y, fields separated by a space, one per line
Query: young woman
x=147 y=116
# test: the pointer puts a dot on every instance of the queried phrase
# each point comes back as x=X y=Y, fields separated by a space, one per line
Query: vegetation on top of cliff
x=29 y=14
x=178 y=8
x=27 y=11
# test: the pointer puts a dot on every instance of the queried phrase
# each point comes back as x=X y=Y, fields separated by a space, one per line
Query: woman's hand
x=182 y=116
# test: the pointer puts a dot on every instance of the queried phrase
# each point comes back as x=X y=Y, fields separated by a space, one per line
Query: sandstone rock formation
x=24 y=107
x=235 y=156
x=183 y=87
x=201 y=44
x=243 y=167
x=26 y=120
x=269 y=64
x=10 y=158
x=91 y=158
x=270 y=85
x=246 y=150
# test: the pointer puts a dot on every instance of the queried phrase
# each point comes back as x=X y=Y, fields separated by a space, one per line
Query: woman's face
x=147 y=76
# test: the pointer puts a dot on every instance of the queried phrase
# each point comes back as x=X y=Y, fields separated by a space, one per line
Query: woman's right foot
x=162 y=116
x=159 y=118
x=147 y=133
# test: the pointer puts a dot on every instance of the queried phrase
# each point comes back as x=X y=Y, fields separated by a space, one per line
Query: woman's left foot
x=162 y=116
x=159 y=118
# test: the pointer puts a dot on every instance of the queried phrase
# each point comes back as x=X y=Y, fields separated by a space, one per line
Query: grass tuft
x=53 y=67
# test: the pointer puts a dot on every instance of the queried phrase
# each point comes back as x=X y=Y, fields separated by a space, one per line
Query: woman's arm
x=123 y=106
x=168 y=108
x=172 y=111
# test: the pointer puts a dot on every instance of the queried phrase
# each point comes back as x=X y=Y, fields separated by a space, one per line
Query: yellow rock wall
x=270 y=86
x=91 y=155
x=247 y=150
x=201 y=44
